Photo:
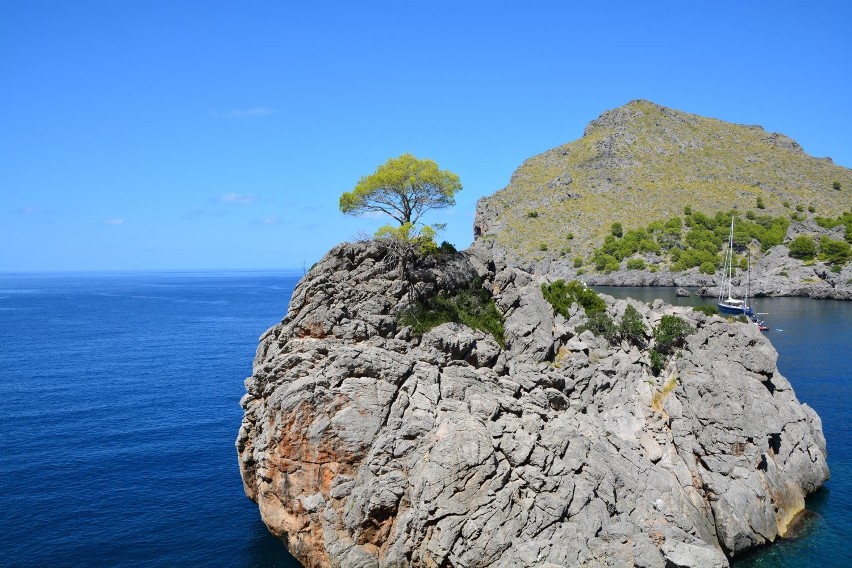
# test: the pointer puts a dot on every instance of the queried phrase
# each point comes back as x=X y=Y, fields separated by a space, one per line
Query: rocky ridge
x=364 y=445
x=643 y=162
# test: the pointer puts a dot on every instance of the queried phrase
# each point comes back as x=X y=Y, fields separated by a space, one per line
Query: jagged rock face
x=366 y=446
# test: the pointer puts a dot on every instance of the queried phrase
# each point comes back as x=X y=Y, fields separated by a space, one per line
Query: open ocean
x=119 y=406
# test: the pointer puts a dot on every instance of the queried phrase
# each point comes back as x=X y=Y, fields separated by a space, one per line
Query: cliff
x=366 y=445
x=643 y=162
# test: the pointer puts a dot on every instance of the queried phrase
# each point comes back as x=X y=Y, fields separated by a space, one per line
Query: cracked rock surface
x=366 y=446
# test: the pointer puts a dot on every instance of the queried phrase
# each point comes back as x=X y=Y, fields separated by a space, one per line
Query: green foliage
x=835 y=185
x=811 y=209
x=687 y=210
x=403 y=188
x=707 y=267
x=751 y=215
x=472 y=306
x=836 y=268
x=802 y=247
x=532 y=214
x=635 y=264
x=760 y=203
x=670 y=333
x=606 y=263
x=707 y=310
x=542 y=247
x=698 y=247
x=632 y=326
x=658 y=361
x=420 y=242
x=578 y=261
x=800 y=208
x=617 y=230
x=844 y=219
x=600 y=324
x=834 y=252
x=570 y=236
x=561 y=295
x=447 y=248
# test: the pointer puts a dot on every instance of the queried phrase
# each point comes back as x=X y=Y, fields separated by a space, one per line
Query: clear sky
x=145 y=134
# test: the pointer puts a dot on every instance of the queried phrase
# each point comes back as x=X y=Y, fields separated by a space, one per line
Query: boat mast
x=748 y=281
x=731 y=260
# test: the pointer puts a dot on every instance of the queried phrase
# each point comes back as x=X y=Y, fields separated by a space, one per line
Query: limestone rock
x=365 y=445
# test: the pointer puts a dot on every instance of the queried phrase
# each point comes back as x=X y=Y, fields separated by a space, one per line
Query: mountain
x=644 y=162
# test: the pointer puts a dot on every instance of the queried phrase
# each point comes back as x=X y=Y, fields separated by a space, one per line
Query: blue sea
x=119 y=409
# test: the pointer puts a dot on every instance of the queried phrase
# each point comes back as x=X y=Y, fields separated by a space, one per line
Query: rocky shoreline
x=366 y=445
x=775 y=274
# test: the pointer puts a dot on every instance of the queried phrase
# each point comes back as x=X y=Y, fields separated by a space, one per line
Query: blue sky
x=191 y=135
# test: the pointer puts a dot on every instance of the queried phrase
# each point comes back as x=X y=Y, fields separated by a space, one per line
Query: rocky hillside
x=367 y=445
x=643 y=162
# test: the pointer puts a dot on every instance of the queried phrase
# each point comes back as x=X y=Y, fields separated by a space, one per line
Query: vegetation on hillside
x=697 y=240
x=643 y=161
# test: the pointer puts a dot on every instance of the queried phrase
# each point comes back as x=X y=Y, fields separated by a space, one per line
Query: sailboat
x=729 y=304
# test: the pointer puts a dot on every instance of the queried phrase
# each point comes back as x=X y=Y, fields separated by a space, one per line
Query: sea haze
x=119 y=409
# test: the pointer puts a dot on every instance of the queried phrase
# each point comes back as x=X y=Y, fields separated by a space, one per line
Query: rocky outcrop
x=365 y=445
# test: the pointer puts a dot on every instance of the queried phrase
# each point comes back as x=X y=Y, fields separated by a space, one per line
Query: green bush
x=751 y=215
x=578 y=261
x=570 y=236
x=632 y=326
x=834 y=252
x=658 y=361
x=786 y=204
x=617 y=230
x=472 y=306
x=707 y=310
x=600 y=324
x=760 y=203
x=561 y=295
x=542 y=247
x=670 y=333
x=606 y=263
x=800 y=208
x=532 y=214
x=708 y=267
x=802 y=247
x=811 y=209
x=845 y=219
x=446 y=248
x=835 y=185
x=635 y=264
x=687 y=210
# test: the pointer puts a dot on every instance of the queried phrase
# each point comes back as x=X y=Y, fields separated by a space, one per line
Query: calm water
x=118 y=411
x=119 y=408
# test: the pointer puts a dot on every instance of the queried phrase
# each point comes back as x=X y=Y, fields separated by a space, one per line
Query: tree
x=403 y=188
x=802 y=247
